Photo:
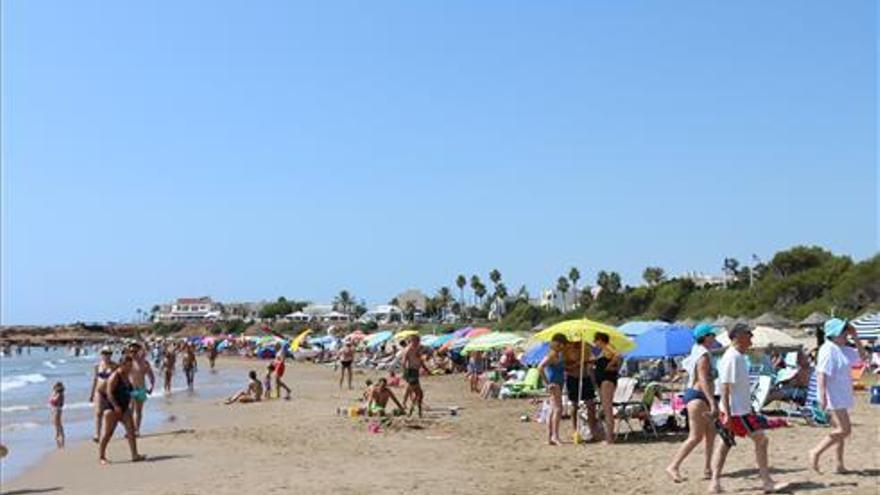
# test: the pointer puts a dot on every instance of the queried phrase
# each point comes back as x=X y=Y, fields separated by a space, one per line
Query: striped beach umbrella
x=867 y=326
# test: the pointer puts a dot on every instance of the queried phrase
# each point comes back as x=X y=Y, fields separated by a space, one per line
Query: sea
x=26 y=381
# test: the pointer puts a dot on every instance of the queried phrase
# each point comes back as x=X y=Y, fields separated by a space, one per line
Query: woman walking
x=115 y=401
x=835 y=388
x=699 y=396
x=552 y=370
x=102 y=372
x=607 y=367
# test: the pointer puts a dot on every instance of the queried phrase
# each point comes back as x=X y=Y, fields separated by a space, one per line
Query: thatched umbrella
x=771 y=319
x=816 y=319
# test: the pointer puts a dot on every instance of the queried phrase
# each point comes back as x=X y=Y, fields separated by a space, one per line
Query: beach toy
x=875 y=394
x=373 y=427
x=576 y=438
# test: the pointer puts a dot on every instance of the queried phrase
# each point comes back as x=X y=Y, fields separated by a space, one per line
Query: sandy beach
x=303 y=445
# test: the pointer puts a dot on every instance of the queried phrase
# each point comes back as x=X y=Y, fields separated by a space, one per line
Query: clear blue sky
x=246 y=150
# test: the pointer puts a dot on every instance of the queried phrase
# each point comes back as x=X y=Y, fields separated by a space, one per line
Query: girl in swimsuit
x=607 y=366
x=102 y=372
x=56 y=403
x=552 y=370
x=115 y=400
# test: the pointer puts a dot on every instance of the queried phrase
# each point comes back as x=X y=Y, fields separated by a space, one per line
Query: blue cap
x=834 y=327
x=704 y=329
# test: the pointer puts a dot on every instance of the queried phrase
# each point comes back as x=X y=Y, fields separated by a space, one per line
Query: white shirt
x=733 y=370
x=690 y=363
x=835 y=362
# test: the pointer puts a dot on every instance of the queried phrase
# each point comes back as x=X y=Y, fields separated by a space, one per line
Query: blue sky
x=244 y=151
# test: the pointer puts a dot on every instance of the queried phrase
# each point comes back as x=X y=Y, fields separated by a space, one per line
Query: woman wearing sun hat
x=699 y=396
x=835 y=387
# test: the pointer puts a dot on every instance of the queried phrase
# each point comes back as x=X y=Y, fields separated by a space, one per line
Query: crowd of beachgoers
x=579 y=369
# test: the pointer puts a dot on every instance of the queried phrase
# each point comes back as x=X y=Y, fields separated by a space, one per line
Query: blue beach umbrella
x=663 y=342
x=439 y=341
x=535 y=354
x=635 y=328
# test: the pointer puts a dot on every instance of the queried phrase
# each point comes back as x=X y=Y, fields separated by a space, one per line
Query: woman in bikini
x=99 y=378
x=115 y=402
x=607 y=367
x=552 y=370
x=699 y=396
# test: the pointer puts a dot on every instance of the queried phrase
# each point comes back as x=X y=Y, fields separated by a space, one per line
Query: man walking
x=137 y=375
x=737 y=416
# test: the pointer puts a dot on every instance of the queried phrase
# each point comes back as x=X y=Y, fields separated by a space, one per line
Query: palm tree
x=461 y=282
x=574 y=275
x=475 y=282
x=562 y=286
x=344 y=301
x=480 y=291
x=501 y=291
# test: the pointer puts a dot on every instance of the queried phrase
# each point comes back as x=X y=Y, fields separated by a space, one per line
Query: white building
x=189 y=309
x=383 y=314
x=703 y=280
x=298 y=317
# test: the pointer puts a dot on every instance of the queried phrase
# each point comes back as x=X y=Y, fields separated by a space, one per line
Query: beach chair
x=760 y=392
x=640 y=410
x=810 y=411
x=530 y=386
x=858 y=375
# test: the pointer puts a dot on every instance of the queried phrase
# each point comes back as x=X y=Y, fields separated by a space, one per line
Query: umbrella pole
x=577 y=407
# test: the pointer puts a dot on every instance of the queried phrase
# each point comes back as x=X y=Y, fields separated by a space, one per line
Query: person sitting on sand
x=253 y=392
x=115 y=402
x=794 y=388
x=368 y=390
x=379 y=395
x=413 y=363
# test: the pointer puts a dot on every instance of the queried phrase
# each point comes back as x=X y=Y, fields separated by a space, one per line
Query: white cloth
x=690 y=363
x=733 y=370
x=835 y=362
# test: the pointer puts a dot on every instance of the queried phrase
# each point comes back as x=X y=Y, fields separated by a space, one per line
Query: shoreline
x=303 y=444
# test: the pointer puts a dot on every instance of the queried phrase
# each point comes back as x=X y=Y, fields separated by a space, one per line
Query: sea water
x=26 y=381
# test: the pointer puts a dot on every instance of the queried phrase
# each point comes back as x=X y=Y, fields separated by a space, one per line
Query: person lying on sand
x=379 y=395
x=253 y=392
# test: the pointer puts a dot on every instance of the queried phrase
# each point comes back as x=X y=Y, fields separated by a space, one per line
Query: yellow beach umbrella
x=405 y=334
x=584 y=330
x=297 y=341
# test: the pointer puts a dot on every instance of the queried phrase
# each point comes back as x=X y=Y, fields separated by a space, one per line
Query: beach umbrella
x=455 y=343
x=764 y=337
x=635 y=328
x=535 y=354
x=355 y=336
x=583 y=330
x=476 y=332
x=663 y=342
x=377 y=338
x=297 y=341
x=208 y=340
x=492 y=340
x=405 y=334
x=441 y=340
x=867 y=326
x=428 y=339
x=461 y=332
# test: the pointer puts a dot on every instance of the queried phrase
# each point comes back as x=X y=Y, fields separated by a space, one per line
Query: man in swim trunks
x=379 y=395
x=571 y=353
x=346 y=358
x=189 y=365
x=137 y=375
x=412 y=364
x=169 y=357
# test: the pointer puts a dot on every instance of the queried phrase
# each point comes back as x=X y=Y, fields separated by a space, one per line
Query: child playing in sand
x=367 y=391
x=56 y=403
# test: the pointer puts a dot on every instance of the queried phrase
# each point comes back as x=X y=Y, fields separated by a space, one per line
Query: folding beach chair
x=760 y=392
x=530 y=386
x=640 y=410
x=810 y=411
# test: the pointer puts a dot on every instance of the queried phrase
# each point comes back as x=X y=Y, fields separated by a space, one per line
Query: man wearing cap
x=835 y=387
x=736 y=409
